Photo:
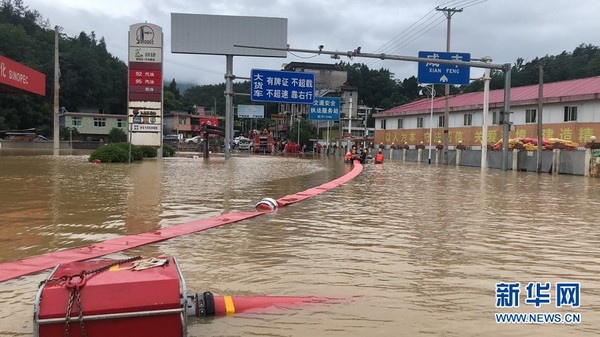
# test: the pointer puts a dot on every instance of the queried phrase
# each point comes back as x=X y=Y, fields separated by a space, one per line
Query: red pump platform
x=114 y=300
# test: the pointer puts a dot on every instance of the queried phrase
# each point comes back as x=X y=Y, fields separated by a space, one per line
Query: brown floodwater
x=419 y=248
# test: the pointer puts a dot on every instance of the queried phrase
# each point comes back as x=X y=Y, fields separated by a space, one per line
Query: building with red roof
x=571 y=111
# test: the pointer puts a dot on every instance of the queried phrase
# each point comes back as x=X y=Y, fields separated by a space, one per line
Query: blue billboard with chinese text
x=282 y=86
x=325 y=109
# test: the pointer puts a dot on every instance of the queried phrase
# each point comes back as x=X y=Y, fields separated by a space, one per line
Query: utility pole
x=448 y=12
x=56 y=135
x=539 y=116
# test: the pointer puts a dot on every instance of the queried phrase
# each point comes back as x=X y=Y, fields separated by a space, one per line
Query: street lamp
x=432 y=93
x=366 y=131
x=71 y=137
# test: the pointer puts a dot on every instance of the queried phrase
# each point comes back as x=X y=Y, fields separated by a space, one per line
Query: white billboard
x=250 y=111
x=218 y=35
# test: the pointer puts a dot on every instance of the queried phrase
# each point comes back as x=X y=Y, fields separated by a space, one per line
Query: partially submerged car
x=245 y=144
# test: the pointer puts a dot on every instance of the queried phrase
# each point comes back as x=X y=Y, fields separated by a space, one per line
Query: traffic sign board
x=325 y=109
x=436 y=73
x=282 y=86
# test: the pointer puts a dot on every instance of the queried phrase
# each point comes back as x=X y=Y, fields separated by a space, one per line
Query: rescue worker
x=348 y=157
x=363 y=156
x=379 y=158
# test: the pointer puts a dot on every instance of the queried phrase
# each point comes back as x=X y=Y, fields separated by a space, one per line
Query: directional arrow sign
x=435 y=73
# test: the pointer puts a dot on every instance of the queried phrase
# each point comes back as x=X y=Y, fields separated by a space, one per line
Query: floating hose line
x=11 y=270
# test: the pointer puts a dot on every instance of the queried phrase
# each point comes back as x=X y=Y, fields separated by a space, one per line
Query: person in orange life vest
x=348 y=157
x=379 y=158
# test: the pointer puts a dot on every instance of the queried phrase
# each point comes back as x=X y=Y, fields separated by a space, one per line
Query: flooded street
x=417 y=250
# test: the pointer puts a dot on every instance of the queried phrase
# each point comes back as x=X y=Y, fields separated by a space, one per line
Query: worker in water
x=348 y=157
x=379 y=158
x=363 y=155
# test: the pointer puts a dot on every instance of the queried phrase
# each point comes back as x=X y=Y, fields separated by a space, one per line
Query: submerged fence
x=558 y=161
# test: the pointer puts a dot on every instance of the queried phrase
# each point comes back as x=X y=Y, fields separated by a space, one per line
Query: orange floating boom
x=38 y=263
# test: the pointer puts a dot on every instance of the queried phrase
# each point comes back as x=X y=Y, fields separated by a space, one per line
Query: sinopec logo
x=144 y=35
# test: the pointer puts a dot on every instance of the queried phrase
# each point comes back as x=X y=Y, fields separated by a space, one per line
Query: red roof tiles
x=565 y=91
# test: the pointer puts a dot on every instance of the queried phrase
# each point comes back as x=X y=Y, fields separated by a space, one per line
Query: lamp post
x=432 y=93
x=366 y=131
x=298 y=131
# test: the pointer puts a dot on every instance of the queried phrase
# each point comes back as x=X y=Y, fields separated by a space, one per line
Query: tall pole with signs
x=145 y=96
x=449 y=12
x=435 y=73
x=219 y=35
x=325 y=109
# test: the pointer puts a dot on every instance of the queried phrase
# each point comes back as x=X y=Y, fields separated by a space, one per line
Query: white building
x=571 y=111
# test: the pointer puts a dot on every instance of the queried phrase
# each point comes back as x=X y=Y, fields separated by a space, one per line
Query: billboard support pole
x=228 y=103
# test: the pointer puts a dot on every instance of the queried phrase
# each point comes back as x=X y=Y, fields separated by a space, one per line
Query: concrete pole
x=448 y=12
x=539 y=118
x=228 y=103
x=432 y=92
x=586 y=162
x=486 y=104
x=350 y=123
x=506 y=114
x=56 y=94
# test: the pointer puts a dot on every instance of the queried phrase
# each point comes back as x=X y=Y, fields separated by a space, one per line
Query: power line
x=400 y=40
x=422 y=26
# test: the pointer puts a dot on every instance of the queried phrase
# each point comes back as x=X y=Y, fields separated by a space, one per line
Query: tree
x=116 y=135
x=307 y=131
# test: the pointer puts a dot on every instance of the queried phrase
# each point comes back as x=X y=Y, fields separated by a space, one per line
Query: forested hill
x=93 y=78
x=89 y=75
x=583 y=62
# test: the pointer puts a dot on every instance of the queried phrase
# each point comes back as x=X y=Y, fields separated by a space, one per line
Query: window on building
x=495 y=117
x=121 y=123
x=400 y=123
x=100 y=122
x=530 y=115
x=383 y=122
x=181 y=120
x=76 y=121
x=570 y=113
x=468 y=119
x=420 y=122
x=441 y=120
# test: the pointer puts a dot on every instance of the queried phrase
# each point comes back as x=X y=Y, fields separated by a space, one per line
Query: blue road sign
x=325 y=109
x=282 y=86
x=435 y=73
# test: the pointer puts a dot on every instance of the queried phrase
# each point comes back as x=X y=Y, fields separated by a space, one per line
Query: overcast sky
x=501 y=29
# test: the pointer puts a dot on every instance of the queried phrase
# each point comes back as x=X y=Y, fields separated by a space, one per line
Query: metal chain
x=108 y=266
x=81 y=323
x=68 y=317
x=97 y=270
